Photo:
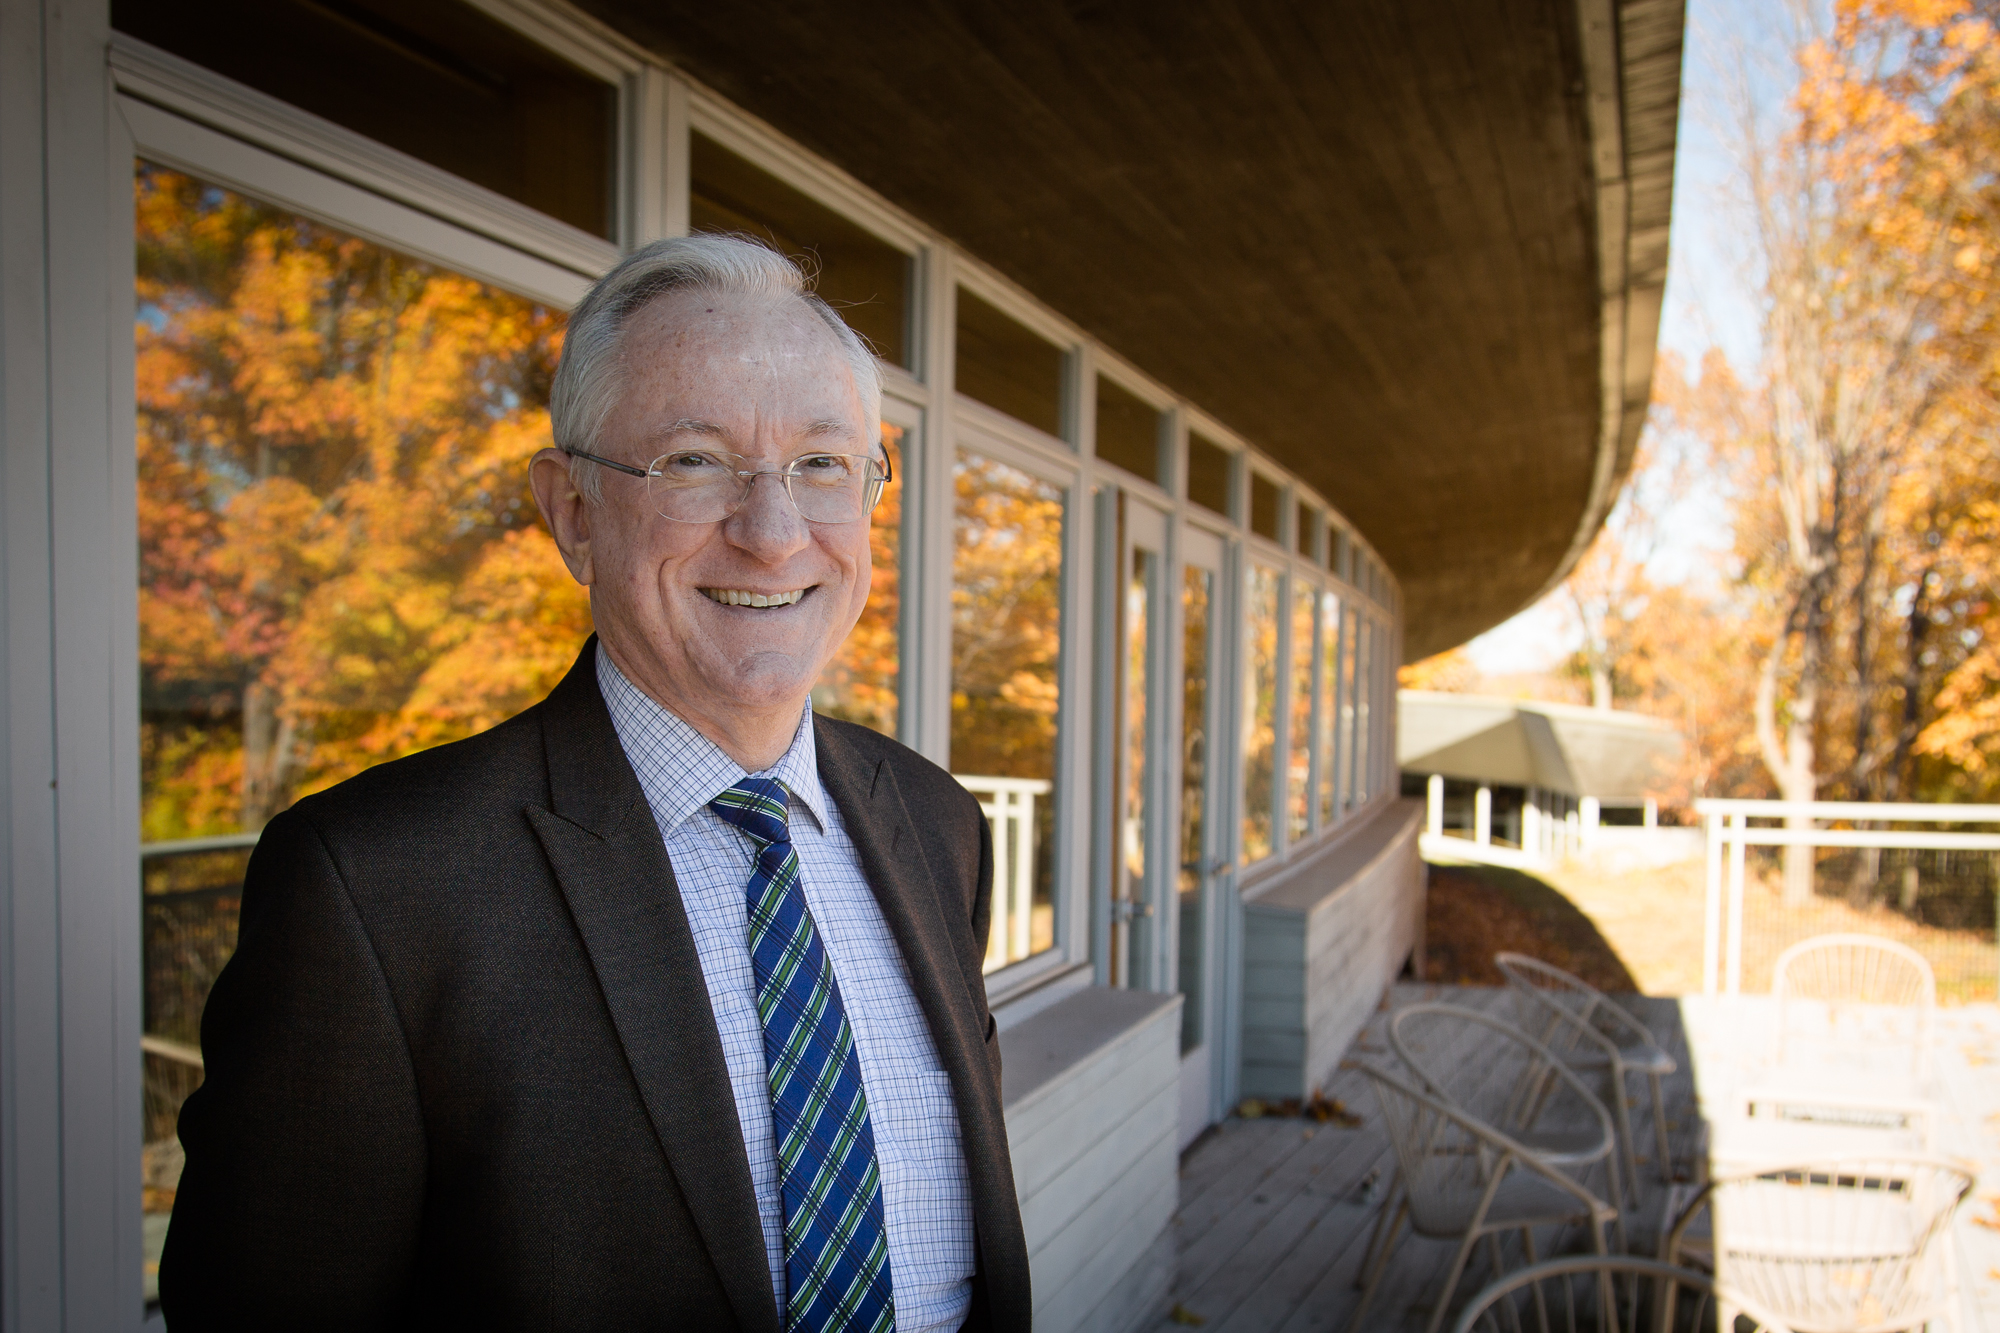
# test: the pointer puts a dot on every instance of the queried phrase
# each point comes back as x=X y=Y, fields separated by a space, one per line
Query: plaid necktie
x=836 y=1249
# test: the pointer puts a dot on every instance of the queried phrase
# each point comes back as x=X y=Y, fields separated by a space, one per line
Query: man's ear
x=565 y=509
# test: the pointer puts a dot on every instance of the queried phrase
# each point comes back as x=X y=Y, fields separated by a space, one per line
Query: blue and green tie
x=836 y=1249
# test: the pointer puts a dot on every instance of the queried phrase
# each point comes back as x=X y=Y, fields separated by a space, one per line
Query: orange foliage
x=339 y=559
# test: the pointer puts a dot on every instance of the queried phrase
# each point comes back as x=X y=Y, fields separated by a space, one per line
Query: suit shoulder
x=922 y=782
x=504 y=764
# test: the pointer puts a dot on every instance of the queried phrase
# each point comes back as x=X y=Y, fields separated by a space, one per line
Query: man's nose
x=768 y=525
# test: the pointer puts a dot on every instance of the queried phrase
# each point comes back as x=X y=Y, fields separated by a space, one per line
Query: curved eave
x=1414 y=250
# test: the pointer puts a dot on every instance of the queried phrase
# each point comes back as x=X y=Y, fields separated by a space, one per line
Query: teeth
x=736 y=597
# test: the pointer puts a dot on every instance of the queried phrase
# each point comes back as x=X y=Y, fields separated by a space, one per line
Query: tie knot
x=757 y=806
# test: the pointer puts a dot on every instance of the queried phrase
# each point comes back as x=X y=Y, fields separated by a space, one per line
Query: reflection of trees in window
x=1006 y=625
x=340 y=561
x=1260 y=716
x=1330 y=694
x=1298 y=757
x=860 y=684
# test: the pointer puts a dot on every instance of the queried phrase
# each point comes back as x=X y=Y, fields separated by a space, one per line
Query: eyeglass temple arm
x=626 y=468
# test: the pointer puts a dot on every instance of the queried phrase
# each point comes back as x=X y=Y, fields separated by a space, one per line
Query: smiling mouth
x=738 y=597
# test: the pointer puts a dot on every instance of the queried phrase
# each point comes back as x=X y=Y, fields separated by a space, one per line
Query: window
x=1349 y=691
x=440 y=81
x=1128 y=430
x=339 y=559
x=1006 y=639
x=1364 y=696
x=1305 y=527
x=1298 y=749
x=1264 y=498
x=861 y=683
x=1340 y=552
x=862 y=276
x=1260 y=716
x=1197 y=591
x=1325 y=729
x=1208 y=474
x=1005 y=365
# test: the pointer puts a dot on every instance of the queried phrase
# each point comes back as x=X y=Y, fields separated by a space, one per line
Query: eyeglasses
x=708 y=485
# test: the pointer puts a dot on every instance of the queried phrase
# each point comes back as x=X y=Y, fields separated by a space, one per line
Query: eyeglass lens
x=705 y=487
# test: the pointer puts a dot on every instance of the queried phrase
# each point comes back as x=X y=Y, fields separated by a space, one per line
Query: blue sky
x=1711 y=296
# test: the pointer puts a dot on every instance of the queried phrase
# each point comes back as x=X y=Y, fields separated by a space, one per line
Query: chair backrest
x=1848 y=1242
x=1848 y=990
x=1601 y=1293
x=1561 y=1010
x=1448 y=1158
x=1493 y=1070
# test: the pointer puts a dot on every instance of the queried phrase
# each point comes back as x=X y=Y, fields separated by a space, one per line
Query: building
x=1526 y=783
x=1237 y=352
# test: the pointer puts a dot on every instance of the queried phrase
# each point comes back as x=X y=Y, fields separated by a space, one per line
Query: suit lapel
x=601 y=840
x=906 y=887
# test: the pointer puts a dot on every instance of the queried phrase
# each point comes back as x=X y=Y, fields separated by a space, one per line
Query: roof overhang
x=1615 y=756
x=1414 y=251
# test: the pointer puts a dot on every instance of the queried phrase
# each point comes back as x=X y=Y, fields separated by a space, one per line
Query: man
x=659 y=1005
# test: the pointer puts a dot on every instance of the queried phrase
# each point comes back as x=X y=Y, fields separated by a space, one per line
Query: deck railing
x=1009 y=806
x=1729 y=832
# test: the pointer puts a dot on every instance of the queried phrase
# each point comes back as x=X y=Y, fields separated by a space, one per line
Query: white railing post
x=1711 y=915
x=1739 y=823
x=1009 y=807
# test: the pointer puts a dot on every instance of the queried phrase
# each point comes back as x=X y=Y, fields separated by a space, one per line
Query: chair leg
x=1625 y=1125
x=1375 y=1273
x=1660 y=1132
x=1617 y=1191
x=1451 y=1278
x=1530 y=1259
x=1389 y=1202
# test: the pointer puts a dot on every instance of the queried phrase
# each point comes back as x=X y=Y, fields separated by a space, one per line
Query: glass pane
x=1006 y=632
x=1298 y=753
x=1264 y=497
x=1348 y=657
x=339 y=559
x=864 y=277
x=1128 y=430
x=1325 y=729
x=861 y=683
x=1135 y=815
x=1260 y=716
x=1005 y=365
x=440 y=81
x=1208 y=474
x=1364 y=690
x=1304 y=525
x=1197 y=592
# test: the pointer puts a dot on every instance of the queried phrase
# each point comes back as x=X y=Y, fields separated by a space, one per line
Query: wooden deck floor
x=1275 y=1213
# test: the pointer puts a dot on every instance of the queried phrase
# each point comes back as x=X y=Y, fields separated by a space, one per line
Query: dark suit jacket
x=462 y=1072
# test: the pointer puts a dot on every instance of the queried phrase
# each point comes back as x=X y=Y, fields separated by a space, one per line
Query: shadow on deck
x=1275 y=1213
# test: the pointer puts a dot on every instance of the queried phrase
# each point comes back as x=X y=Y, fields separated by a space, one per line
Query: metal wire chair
x=1590 y=1030
x=1840 y=991
x=1853 y=1245
x=1598 y=1293
x=1515 y=1084
x=1462 y=1179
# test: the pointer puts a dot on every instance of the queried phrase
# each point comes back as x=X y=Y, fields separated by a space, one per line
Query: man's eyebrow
x=828 y=426
x=691 y=426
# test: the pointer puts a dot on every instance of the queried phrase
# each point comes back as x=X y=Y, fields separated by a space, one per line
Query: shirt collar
x=682 y=770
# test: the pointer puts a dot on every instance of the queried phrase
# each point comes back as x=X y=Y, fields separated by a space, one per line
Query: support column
x=1482 y=816
x=1652 y=812
x=1531 y=827
x=1434 y=805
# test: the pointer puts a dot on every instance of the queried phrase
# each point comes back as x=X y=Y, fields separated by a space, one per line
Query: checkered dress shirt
x=926 y=1196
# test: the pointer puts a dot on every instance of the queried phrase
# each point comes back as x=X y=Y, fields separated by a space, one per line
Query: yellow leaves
x=332 y=503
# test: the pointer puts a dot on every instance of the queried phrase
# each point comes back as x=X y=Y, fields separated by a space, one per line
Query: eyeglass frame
x=749 y=478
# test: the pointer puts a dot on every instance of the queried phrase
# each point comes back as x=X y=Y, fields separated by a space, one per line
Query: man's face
x=759 y=377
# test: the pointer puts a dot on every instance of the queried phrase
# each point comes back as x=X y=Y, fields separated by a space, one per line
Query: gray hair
x=591 y=377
